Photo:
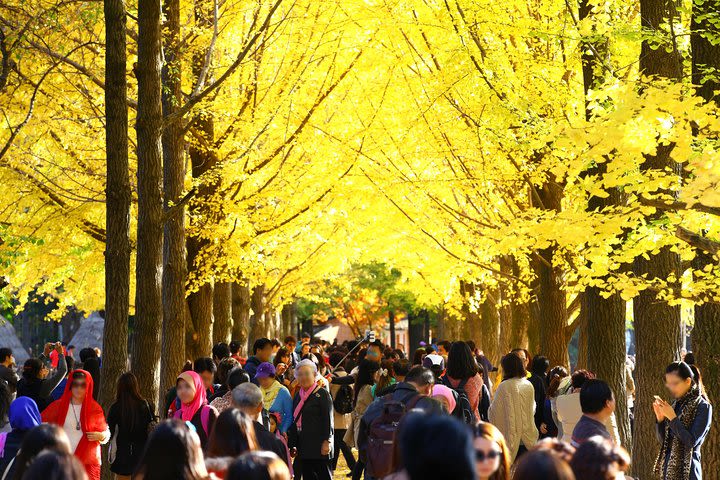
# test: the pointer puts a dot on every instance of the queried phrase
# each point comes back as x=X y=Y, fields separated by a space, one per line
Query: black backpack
x=463 y=409
x=343 y=401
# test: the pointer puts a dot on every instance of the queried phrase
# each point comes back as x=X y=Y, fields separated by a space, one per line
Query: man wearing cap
x=276 y=398
x=436 y=364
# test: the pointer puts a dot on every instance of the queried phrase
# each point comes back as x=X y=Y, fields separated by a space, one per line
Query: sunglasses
x=481 y=456
x=78 y=385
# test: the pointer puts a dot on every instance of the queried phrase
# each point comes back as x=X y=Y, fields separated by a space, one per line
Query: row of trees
x=528 y=167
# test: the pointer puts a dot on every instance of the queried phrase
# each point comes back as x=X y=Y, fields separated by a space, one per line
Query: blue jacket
x=690 y=438
x=283 y=405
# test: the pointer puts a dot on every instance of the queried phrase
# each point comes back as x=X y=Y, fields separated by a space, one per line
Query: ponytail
x=697 y=377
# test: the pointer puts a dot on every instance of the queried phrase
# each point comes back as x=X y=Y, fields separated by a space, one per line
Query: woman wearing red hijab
x=83 y=420
x=194 y=407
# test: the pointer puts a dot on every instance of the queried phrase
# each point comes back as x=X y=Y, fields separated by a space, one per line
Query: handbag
x=112 y=448
x=154 y=420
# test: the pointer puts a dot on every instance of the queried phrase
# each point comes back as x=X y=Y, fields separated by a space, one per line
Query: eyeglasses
x=481 y=456
x=82 y=385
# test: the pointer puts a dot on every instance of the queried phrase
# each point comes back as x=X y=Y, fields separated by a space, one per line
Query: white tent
x=9 y=339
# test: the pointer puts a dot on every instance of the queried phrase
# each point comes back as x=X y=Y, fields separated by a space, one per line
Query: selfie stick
x=369 y=336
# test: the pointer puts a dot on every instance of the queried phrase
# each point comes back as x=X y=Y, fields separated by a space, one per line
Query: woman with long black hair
x=683 y=425
x=462 y=374
x=172 y=452
x=362 y=399
x=128 y=419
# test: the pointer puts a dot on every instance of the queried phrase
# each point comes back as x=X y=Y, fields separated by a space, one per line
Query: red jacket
x=92 y=419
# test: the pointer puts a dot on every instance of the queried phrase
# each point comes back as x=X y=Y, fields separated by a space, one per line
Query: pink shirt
x=473 y=387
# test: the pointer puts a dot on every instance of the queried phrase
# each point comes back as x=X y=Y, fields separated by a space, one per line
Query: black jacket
x=269 y=442
x=12 y=446
x=317 y=425
x=131 y=437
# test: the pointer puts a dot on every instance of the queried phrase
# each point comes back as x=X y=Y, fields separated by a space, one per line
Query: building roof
x=9 y=339
x=90 y=333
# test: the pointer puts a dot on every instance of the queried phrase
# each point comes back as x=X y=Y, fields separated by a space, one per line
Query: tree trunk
x=201 y=313
x=148 y=271
x=117 y=205
x=506 y=315
x=240 y=313
x=552 y=318
x=222 y=310
x=174 y=255
x=391 y=321
x=288 y=319
x=705 y=334
x=657 y=324
x=490 y=325
x=602 y=325
x=257 y=323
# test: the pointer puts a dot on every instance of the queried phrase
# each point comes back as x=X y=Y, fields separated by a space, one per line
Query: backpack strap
x=461 y=385
x=9 y=466
x=412 y=403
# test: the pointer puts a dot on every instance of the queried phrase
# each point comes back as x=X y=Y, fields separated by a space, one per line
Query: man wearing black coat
x=248 y=398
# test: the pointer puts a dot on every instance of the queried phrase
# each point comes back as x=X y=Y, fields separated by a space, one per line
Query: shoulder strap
x=9 y=467
x=462 y=384
x=205 y=418
x=3 y=438
x=412 y=403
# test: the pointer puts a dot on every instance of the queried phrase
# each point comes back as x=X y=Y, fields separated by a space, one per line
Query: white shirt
x=70 y=426
x=569 y=413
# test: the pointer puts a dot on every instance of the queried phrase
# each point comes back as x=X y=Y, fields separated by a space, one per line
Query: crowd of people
x=290 y=409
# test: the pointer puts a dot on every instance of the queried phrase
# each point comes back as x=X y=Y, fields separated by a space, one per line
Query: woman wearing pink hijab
x=194 y=407
x=446 y=396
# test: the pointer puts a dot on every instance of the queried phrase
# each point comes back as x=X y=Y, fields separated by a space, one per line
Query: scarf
x=270 y=394
x=199 y=399
x=678 y=464
x=304 y=395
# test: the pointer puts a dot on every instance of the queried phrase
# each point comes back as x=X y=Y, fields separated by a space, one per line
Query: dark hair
x=224 y=368
x=418 y=356
x=539 y=365
x=204 y=364
x=436 y=446
x=234 y=347
x=461 y=363
x=275 y=342
x=594 y=458
x=31 y=368
x=512 y=366
x=553 y=380
x=232 y=435
x=46 y=435
x=685 y=371
x=447 y=345
x=420 y=376
x=365 y=376
x=594 y=395
x=70 y=361
x=55 y=465
x=260 y=344
x=92 y=366
x=283 y=352
x=220 y=350
x=402 y=367
x=542 y=465
x=290 y=339
x=128 y=398
x=5 y=353
x=472 y=346
x=170 y=453
x=579 y=377
x=258 y=466
x=524 y=350
x=386 y=380
x=87 y=353
x=237 y=376
x=335 y=358
x=305 y=335
x=689 y=358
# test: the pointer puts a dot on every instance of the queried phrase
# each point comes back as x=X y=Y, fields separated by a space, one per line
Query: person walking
x=683 y=425
x=194 y=407
x=342 y=420
x=24 y=416
x=276 y=398
x=462 y=376
x=512 y=409
x=128 y=419
x=83 y=420
x=312 y=429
